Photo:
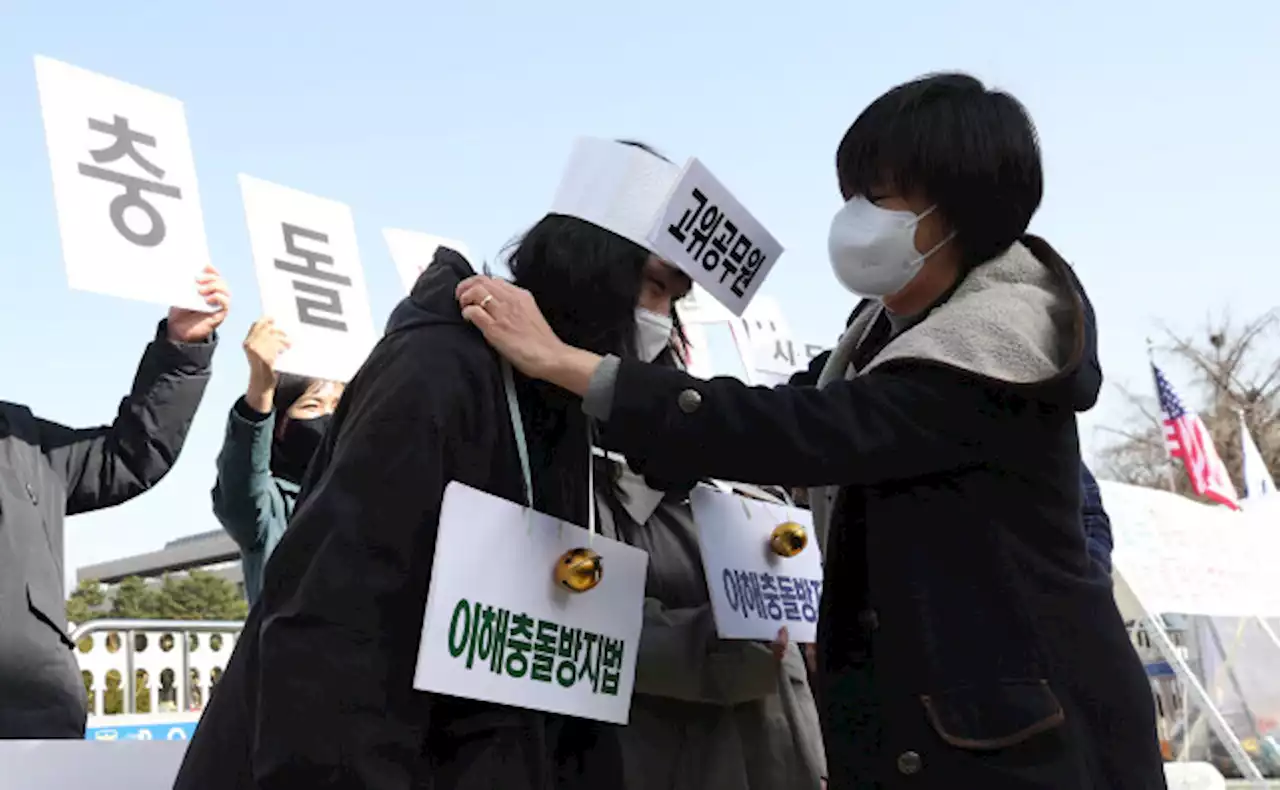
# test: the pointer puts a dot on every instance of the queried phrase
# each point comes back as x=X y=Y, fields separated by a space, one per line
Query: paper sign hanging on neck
x=413 y=252
x=310 y=278
x=753 y=590
x=683 y=215
x=498 y=628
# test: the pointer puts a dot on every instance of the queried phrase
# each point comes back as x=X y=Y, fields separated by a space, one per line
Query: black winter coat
x=48 y=472
x=966 y=640
x=319 y=691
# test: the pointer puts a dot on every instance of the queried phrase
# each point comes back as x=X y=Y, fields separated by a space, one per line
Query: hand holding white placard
x=754 y=591
x=497 y=628
x=124 y=181
x=413 y=252
x=310 y=277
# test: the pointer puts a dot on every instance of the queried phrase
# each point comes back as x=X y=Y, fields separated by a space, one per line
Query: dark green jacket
x=253 y=505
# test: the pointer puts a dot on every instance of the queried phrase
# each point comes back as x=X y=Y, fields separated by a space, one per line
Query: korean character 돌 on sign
x=519 y=643
x=788 y=597
x=314 y=300
x=568 y=650
x=611 y=655
x=125 y=144
x=463 y=628
x=544 y=651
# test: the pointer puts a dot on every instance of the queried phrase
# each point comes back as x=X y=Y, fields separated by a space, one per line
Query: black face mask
x=292 y=451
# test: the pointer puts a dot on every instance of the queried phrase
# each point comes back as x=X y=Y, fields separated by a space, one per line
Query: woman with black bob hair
x=319 y=692
x=964 y=640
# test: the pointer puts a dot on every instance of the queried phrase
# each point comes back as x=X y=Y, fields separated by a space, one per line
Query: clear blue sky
x=1157 y=122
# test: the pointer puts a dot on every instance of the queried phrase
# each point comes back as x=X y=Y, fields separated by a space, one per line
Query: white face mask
x=653 y=333
x=873 y=250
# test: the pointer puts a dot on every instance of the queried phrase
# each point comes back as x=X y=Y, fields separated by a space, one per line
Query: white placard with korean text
x=781 y=356
x=1180 y=556
x=704 y=231
x=413 y=252
x=754 y=591
x=310 y=278
x=124 y=182
x=498 y=628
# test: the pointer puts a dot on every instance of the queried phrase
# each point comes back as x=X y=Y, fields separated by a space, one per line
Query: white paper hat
x=615 y=186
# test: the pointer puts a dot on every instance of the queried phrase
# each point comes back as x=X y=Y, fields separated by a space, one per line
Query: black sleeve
x=336 y=706
x=105 y=466
x=809 y=376
x=889 y=424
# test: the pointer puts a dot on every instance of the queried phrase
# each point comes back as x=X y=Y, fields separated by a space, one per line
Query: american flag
x=1187 y=439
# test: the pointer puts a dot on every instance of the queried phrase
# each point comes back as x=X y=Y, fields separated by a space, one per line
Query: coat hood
x=1021 y=319
x=433 y=298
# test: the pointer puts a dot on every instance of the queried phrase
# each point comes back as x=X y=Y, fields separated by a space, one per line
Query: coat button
x=869 y=619
x=689 y=401
x=909 y=763
x=31 y=494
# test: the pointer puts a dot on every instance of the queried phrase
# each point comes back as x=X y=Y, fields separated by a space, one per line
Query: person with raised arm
x=49 y=471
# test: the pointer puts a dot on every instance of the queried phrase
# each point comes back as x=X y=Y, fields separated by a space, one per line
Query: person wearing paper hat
x=50 y=471
x=966 y=639
x=319 y=692
x=273 y=430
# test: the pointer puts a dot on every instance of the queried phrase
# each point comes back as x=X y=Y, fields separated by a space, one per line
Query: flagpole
x=1195 y=621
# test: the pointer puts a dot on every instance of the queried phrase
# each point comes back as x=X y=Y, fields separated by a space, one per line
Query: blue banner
x=172 y=731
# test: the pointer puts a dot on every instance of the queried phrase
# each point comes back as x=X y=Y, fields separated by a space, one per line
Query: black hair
x=972 y=151
x=587 y=283
x=290 y=387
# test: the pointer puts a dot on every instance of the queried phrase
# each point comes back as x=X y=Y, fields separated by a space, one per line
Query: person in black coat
x=966 y=639
x=318 y=693
x=48 y=472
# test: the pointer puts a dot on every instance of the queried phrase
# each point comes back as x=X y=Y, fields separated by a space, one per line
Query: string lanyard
x=522 y=449
x=517 y=425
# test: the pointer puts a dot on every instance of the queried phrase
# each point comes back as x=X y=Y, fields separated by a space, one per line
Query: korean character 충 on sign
x=568 y=650
x=519 y=643
x=769 y=597
x=464 y=642
x=611 y=655
x=126 y=144
x=789 y=598
x=544 y=651
x=315 y=301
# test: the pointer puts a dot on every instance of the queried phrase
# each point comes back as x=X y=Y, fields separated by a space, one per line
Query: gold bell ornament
x=579 y=570
x=788 y=539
